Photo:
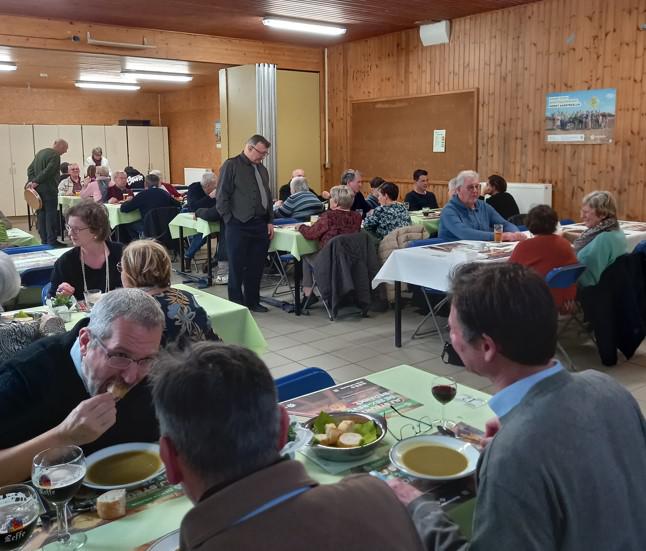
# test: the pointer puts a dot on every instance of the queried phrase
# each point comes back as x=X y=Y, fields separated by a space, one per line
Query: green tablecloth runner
x=66 y=201
x=190 y=226
x=290 y=240
x=153 y=523
x=20 y=238
x=432 y=225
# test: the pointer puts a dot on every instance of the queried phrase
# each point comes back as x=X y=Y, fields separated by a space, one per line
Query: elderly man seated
x=118 y=187
x=200 y=195
x=301 y=204
x=565 y=460
x=63 y=390
x=221 y=432
x=72 y=183
x=467 y=217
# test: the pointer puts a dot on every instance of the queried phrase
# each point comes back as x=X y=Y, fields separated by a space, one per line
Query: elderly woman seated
x=25 y=329
x=389 y=215
x=146 y=264
x=603 y=242
x=466 y=216
x=338 y=220
x=546 y=251
x=301 y=204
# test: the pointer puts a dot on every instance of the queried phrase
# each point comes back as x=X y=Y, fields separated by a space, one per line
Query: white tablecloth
x=432 y=267
x=635 y=232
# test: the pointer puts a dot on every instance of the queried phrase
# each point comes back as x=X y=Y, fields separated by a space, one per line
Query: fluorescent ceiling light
x=153 y=75
x=301 y=26
x=8 y=66
x=106 y=85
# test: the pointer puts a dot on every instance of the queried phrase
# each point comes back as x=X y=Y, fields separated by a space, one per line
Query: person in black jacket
x=352 y=179
x=59 y=390
x=419 y=198
x=499 y=199
x=200 y=195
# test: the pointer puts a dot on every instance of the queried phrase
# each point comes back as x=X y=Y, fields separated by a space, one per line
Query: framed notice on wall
x=582 y=117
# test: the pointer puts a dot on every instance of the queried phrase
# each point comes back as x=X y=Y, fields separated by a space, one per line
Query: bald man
x=42 y=175
x=284 y=192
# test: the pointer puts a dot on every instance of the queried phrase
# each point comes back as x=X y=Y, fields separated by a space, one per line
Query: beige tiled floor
x=354 y=347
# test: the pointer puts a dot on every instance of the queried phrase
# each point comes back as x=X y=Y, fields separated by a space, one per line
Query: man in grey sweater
x=565 y=462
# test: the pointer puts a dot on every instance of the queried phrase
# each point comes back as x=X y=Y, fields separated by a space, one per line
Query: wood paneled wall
x=49 y=106
x=190 y=115
x=515 y=57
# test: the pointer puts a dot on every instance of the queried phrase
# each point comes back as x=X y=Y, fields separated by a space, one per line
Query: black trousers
x=47 y=218
x=246 y=245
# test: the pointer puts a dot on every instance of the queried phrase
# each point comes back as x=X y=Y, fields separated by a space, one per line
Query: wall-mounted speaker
x=435 y=33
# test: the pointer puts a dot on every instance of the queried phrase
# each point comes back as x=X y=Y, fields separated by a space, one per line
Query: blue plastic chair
x=285 y=221
x=566 y=221
x=562 y=278
x=640 y=248
x=45 y=291
x=28 y=249
x=36 y=277
x=303 y=382
x=427 y=291
x=521 y=227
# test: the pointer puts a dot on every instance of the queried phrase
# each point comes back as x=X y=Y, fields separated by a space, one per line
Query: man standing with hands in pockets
x=245 y=203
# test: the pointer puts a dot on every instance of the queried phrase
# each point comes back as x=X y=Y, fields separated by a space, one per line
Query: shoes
x=222 y=279
x=313 y=299
x=259 y=308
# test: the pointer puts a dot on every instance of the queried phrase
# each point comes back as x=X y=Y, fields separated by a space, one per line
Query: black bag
x=450 y=356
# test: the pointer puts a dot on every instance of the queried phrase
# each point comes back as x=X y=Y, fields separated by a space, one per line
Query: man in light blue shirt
x=564 y=467
x=466 y=216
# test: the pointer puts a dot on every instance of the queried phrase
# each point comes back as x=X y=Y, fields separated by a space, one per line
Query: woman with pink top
x=91 y=188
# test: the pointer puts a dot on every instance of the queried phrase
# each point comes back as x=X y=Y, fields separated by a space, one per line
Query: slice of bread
x=111 y=505
x=118 y=389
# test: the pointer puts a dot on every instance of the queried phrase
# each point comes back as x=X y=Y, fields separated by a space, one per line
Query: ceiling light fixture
x=302 y=26
x=8 y=66
x=154 y=75
x=106 y=85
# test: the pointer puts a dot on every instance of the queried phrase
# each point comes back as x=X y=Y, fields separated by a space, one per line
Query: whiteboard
x=529 y=195
x=194 y=175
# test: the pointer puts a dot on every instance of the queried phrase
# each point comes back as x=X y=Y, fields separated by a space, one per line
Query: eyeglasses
x=117 y=360
x=415 y=428
x=263 y=153
x=70 y=229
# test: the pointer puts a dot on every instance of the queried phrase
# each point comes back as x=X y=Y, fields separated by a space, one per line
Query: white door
x=93 y=136
x=156 y=151
x=6 y=174
x=116 y=147
x=44 y=135
x=72 y=134
x=138 y=155
x=166 y=170
x=22 y=154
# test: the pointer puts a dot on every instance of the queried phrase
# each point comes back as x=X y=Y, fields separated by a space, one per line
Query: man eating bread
x=82 y=387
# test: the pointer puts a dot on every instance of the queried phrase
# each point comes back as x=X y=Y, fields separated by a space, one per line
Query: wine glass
x=92 y=296
x=19 y=511
x=444 y=390
x=406 y=205
x=57 y=474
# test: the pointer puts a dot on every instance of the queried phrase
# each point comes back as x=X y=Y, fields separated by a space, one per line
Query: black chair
x=156 y=226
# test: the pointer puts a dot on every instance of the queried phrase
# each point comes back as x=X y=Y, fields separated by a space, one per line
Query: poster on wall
x=581 y=117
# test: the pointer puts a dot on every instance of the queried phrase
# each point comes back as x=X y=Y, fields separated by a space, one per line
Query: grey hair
x=9 y=279
x=298 y=184
x=349 y=175
x=603 y=203
x=465 y=175
x=343 y=196
x=97 y=151
x=130 y=304
x=118 y=173
x=102 y=171
x=208 y=178
x=453 y=186
x=257 y=138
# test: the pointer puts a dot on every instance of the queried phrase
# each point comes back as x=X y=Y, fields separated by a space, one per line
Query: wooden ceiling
x=59 y=69
x=242 y=18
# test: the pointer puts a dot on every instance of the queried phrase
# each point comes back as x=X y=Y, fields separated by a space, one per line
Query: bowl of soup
x=123 y=466
x=435 y=457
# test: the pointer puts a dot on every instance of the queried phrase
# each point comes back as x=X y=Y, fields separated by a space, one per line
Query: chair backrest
x=640 y=248
x=44 y=292
x=518 y=219
x=284 y=221
x=28 y=249
x=429 y=241
x=565 y=276
x=566 y=221
x=36 y=277
x=302 y=382
x=156 y=226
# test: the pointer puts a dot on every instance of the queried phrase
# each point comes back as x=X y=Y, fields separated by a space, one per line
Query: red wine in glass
x=444 y=390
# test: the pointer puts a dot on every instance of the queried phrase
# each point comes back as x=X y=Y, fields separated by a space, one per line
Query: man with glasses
x=245 y=204
x=352 y=179
x=466 y=216
x=58 y=391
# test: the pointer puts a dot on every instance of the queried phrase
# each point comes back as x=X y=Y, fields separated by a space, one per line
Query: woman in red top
x=338 y=220
x=546 y=251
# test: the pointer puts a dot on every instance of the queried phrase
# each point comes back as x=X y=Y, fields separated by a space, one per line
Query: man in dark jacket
x=200 y=195
x=59 y=390
x=43 y=175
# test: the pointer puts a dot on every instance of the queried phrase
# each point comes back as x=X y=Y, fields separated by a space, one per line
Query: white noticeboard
x=193 y=175
x=439 y=141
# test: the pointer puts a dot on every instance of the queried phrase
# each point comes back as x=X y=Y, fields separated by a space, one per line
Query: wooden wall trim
x=52 y=34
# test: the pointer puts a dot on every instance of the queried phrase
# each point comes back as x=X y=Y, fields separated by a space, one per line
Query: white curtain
x=266 y=116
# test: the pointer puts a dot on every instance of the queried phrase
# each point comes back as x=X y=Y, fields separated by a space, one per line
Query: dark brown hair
x=94 y=216
x=498 y=183
x=542 y=220
x=390 y=190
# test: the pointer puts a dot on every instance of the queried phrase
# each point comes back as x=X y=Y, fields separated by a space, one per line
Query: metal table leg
x=398 y=314
x=209 y=270
x=182 y=265
x=298 y=277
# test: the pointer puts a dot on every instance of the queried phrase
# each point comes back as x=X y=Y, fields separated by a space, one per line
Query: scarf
x=607 y=224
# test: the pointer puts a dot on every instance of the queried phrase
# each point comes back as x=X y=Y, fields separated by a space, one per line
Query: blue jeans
x=196 y=242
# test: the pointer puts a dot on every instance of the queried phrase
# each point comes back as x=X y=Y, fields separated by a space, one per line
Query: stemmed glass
x=444 y=390
x=57 y=474
x=19 y=510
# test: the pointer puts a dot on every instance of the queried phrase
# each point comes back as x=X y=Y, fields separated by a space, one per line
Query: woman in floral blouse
x=389 y=215
x=145 y=264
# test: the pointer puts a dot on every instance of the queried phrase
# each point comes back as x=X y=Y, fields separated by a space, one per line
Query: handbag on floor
x=450 y=356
